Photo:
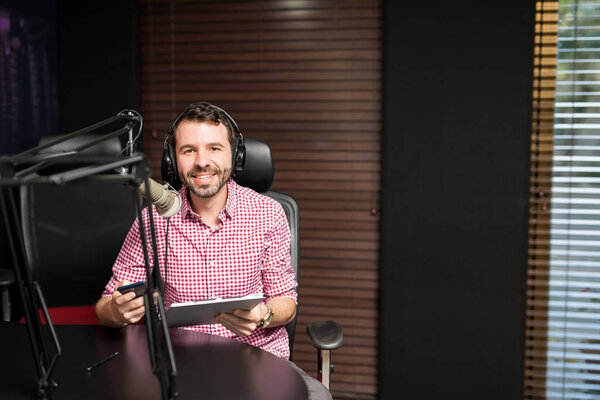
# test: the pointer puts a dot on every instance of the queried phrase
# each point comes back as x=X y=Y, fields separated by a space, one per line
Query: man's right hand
x=120 y=309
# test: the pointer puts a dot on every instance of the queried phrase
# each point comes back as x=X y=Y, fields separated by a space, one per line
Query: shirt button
x=211 y=264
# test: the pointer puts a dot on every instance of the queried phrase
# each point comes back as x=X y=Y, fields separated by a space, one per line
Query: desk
x=208 y=367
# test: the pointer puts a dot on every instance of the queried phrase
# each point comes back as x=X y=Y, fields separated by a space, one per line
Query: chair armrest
x=6 y=277
x=325 y=335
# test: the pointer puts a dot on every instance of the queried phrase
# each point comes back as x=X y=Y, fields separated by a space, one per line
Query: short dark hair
x=205 y=112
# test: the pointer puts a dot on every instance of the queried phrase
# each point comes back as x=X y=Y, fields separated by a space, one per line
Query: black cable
x=166 y=253
x=139 y=132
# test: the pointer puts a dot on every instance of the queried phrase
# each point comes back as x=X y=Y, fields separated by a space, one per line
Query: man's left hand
x=242 y=322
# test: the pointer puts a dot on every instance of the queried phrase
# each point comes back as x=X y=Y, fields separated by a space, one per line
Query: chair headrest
x=100 y=152
x=110 y=147
x=258 y=167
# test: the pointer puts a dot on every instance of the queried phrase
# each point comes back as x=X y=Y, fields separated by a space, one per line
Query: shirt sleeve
x=279 y=278
x=130 y=261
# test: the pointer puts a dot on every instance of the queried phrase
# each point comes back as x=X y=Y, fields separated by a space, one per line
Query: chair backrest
x=291 y=211
x=258 y=175
x=74 y=232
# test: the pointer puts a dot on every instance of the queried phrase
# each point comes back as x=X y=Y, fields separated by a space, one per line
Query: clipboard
x=203 y=312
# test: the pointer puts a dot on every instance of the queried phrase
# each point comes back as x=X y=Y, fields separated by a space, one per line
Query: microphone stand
x=31 y=296
x=22 y=169
x=162 y=359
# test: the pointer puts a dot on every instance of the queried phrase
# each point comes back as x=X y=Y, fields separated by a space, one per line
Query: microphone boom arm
x=161 y=352
x=128 y=115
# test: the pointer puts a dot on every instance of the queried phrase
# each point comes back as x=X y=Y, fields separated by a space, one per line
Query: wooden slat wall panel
x=539 y=204
x=306 y=77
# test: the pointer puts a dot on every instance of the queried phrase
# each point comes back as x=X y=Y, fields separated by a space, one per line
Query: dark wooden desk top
x=208 y=367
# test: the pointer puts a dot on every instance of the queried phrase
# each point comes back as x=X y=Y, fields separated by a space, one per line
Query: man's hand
x=242 y=322
x=120 y=309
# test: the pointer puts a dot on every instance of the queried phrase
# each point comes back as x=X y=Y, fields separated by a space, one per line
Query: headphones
x=168 y=167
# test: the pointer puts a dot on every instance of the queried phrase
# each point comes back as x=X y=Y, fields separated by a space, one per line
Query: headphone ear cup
x=168 y=166
x=239 y=156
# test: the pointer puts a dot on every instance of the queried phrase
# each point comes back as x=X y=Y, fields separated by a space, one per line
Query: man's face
x=203 y=157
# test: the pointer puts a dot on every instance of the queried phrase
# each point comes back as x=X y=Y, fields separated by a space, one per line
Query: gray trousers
x=316 y=390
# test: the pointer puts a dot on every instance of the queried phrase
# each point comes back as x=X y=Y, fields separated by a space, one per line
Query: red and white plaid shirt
x=249 y=252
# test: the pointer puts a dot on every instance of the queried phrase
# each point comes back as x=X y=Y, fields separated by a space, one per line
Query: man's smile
x=203 y=176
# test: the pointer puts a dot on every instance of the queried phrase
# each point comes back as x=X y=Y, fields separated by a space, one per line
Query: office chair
x=73 y=233
x=258 y=175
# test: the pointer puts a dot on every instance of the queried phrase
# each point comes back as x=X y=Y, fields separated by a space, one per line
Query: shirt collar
x=227 y=212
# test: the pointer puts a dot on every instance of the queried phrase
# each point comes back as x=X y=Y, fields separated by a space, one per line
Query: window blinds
x=563 y=330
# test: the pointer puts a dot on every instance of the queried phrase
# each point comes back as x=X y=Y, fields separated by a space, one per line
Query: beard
x=208 y=190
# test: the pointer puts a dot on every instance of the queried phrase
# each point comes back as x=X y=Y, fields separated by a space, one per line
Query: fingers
x=131 y=311
x=236 y=324
x=245 y=315
x=134 y=315
x=242 y=322
x=120 y=298
x=126 y=307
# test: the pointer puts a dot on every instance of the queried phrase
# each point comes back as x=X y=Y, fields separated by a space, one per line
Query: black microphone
x=166 y=200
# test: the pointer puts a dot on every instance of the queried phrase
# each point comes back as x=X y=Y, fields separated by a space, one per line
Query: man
x=226 y=241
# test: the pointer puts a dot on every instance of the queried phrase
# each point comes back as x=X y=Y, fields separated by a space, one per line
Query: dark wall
x=98 y=49
x=28 y=71
x=456 y=109
x=98 y=70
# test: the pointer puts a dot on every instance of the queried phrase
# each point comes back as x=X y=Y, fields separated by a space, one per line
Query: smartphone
x=139 y=288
